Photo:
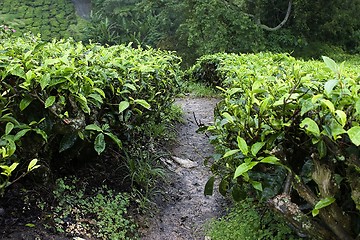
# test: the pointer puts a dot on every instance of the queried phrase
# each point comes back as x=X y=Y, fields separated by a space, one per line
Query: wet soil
x=184 y=216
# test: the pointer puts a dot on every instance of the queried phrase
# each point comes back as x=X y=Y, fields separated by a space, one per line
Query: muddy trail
x=186 y=211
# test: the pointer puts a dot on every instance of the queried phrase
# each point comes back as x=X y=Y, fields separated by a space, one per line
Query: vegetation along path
x=184 y=215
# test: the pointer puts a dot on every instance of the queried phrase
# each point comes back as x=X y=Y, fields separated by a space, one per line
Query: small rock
x=186 y=163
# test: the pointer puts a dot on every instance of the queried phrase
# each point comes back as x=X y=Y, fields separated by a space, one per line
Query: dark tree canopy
x=210 y=26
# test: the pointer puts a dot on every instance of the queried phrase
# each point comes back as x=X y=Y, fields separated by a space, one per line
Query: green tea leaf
x=131 y=86
x=242 y=145
x=233 y=91
x=143 y=103
x=306 y=106
x=13 y=166
x=243 y=168
x=228 y=117
x=96 y=97
x=336 y=130
x=11 y=147
x=357 y=106
x=50 y=61
x=310 y=126
x=354 y=135
x=115 y=139
x=99 y=144
x=83 y=103
x=329 y=104
x=32 y=165
x=100 y=91
x=123 y=106
x=257 y=185
x=21 y=133
x=270 y=160
x=93 y=127
x=230 y=153
x=44 y=81
x=41 y=133
x=329 y=86
x=7 y=170
x=8 y=128
x=321 y=204
x=256 y=147
x=264 y=105
x=341 y=117
x=29 y=75
x=209 y=187
x=50 y=101
x=331 y=64
x=25 y=102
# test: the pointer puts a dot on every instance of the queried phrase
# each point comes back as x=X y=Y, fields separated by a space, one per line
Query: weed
x=197 y=89
x=102 y=213
x=244 y=221
x=145 y=172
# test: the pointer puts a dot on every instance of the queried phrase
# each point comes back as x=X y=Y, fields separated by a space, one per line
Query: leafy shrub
x=62 y=95
x=283 y=120
x=246 y=221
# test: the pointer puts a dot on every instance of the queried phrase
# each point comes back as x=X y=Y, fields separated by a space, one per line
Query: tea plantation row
x=290 y=129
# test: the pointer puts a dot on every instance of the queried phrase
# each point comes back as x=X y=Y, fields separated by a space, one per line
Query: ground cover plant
x=98 y=213
x=249 y=221
x=290 y=130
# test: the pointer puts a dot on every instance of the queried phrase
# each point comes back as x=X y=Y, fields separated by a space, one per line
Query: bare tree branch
x=281 y=24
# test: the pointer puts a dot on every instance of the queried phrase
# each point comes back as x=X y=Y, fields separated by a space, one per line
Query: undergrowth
x=248 y=221
x=197 y=89
x=101 y=213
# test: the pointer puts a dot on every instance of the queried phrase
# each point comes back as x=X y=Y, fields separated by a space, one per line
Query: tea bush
x=290 y=129
x=61 y=98
x=49 y=18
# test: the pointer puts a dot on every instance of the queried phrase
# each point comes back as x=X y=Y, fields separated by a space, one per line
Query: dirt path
x=184 y=215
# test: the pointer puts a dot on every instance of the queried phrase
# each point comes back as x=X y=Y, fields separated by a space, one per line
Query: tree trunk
x=293 y=215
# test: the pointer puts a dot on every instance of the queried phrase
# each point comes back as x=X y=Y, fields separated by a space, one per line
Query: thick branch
x=281 y=24
x=326 y=214
x=300 y=221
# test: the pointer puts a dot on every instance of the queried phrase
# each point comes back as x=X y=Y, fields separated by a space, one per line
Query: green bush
x=286 y=120
x=36 y=15
x=58 y=97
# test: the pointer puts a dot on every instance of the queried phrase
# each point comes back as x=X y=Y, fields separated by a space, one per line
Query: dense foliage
x=49 y=18
x=290 y=129
x=195 y=28
x=62 y=100
x=249 y=221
